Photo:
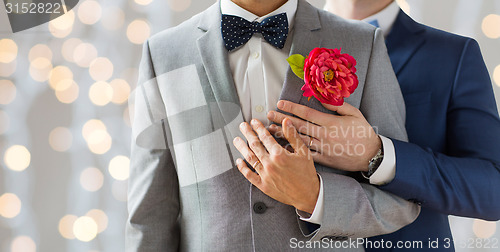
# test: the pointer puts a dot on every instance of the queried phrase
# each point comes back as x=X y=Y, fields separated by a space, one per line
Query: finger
x=302 y=126
x=311 y=142
x=292 y=136
x=304 y=112
x=251 y=176
x=345 y=110
x=278 y=134
x=264 y=136
x=253 y=141
x=312 y=145
x=276 y=131
x=245 y=151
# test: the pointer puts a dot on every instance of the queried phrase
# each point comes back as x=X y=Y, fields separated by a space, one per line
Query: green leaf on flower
x=296 y=62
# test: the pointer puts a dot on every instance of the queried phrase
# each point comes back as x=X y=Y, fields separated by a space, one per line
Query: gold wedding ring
x=310 y=142
x=256 y=163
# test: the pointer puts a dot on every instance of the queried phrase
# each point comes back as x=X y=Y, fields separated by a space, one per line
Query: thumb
x=345 y=110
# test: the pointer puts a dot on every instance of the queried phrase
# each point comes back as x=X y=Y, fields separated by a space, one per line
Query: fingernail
x=270 y=115
x=242 y=125
x=254 y=121
x=281 y=104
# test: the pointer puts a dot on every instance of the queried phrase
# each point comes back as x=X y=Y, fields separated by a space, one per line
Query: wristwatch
x=374 y=163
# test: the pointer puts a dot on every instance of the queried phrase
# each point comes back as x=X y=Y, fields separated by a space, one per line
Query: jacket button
x=259 y=207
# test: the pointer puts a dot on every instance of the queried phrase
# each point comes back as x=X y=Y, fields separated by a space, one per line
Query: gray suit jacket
x=185 y=192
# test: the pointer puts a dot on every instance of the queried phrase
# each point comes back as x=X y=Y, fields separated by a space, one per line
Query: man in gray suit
x=198 y=84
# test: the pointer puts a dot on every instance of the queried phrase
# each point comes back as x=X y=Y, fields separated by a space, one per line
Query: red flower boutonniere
x=329 y=75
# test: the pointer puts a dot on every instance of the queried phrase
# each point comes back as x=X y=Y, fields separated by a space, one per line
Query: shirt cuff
x=317 y=214
x=387 y=169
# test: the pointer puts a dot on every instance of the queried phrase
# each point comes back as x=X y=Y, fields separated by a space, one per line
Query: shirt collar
x=385 y=17
x=227 y=7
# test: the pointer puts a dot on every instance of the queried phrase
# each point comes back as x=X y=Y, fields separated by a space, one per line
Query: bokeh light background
x=64 y=121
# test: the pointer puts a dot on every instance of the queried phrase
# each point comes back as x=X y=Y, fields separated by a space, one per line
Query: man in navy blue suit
x=451 y=165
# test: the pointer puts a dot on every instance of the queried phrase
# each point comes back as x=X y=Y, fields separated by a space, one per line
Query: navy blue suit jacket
x=451 y=165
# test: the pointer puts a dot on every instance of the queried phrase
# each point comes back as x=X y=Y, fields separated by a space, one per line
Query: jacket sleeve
x=153 y=194
x=365 y=210
x=465 y=180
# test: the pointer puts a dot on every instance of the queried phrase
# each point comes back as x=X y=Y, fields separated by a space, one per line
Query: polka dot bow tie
x=236 y=31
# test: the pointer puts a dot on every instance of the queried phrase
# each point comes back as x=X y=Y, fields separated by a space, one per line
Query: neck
x=260 y=7
x=356 y=9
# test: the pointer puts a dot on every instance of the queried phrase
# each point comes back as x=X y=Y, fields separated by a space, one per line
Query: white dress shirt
x=258 y=68
x=259 y=71
x=385 y=17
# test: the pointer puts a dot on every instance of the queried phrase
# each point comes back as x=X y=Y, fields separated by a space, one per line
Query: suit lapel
x=215 y=61
x=404 y=40
x=306 y=36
